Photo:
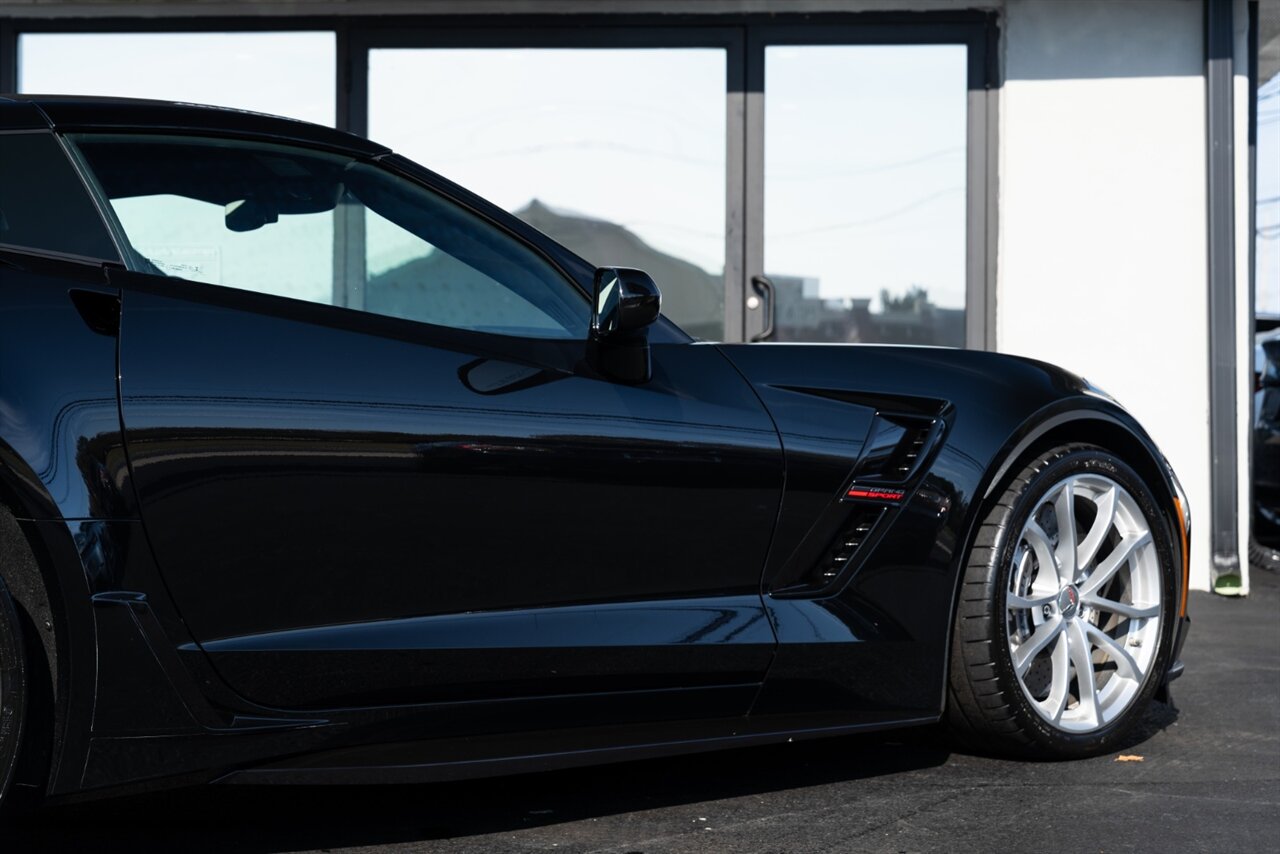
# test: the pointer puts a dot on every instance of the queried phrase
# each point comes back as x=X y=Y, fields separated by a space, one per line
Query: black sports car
x=315 y=467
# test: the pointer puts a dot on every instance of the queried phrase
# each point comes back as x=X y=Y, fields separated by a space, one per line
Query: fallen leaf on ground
x=1129 y=757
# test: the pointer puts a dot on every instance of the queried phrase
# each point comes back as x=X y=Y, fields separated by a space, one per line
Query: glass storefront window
x=623 y=155
x=1267 y=195
x=619 y=154
x=283 y=73
x=864 y=200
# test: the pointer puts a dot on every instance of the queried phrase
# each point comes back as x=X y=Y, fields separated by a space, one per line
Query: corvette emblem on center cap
x=1068 y=601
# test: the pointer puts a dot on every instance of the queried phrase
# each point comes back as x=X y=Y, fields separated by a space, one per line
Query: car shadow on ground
x=271 y=819
x=275 y=819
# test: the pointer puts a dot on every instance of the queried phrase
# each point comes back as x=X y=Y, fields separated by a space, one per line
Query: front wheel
x=1065 y=618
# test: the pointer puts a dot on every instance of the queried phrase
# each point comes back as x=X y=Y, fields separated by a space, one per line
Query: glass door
x=864 y=232
x=780 y=181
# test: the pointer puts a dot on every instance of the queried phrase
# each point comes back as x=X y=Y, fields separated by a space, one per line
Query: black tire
x=13 y=694
x=987 y=709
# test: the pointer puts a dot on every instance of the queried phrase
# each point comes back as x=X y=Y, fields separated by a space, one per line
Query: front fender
x=890 y=614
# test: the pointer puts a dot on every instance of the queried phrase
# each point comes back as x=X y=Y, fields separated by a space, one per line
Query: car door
x=376 y=465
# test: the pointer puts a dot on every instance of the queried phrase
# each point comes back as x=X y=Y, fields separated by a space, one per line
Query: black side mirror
x=627 y=302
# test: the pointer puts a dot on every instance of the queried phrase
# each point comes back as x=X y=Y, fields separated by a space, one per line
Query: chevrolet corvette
x=317 y=468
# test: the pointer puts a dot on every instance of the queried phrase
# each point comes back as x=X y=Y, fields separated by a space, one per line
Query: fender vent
x=895 y=447
x=845 y=545
x=909 y=450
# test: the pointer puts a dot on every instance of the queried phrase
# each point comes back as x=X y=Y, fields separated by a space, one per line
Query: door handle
x=100 y=310
x=765 y=291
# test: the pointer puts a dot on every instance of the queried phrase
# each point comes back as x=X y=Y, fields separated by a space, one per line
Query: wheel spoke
x=1119 y=557
x=1082 y=661
x=1064 y=507
x=1056 y=702
x=1134 y=611
x=1016 y=602
x=1035 y=537
x=1031 y=647
x=1088 y=550
x=1125 y=665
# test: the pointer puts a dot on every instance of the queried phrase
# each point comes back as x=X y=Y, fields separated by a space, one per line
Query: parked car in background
x=316 y=467
x=1264 y=551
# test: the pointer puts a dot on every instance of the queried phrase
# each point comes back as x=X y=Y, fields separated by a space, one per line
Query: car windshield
x=324 y=228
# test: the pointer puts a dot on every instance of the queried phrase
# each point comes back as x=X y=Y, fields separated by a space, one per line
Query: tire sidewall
x=12 y=690
x=1058 y=742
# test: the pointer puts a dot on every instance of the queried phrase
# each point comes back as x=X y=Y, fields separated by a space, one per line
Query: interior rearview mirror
x=626 y=304
x=249 y=214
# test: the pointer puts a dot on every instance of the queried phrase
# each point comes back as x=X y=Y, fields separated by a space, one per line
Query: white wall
x=1102 y=247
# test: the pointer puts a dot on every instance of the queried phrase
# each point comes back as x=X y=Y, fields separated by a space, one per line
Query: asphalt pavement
x=1206 y=778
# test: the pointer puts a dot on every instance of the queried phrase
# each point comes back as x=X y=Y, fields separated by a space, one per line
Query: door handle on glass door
x=764 y=288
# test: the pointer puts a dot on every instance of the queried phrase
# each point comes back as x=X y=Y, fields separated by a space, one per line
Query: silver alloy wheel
x=1084 y=603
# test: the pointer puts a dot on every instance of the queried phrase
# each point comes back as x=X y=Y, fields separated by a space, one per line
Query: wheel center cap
x=1068 y=601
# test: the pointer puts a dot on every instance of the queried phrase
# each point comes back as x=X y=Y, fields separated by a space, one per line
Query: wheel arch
x=1113 y=430
x=1090 y=420
x=27 y=568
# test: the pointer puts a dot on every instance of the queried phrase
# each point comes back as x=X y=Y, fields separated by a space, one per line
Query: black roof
x=82 y=112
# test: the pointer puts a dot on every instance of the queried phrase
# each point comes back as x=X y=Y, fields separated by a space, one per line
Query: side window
x=43 y=204
x=324 y=228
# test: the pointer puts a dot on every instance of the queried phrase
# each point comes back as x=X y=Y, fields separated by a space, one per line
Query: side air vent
x=909 y=451
x=845 y=545
x=895 y=447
